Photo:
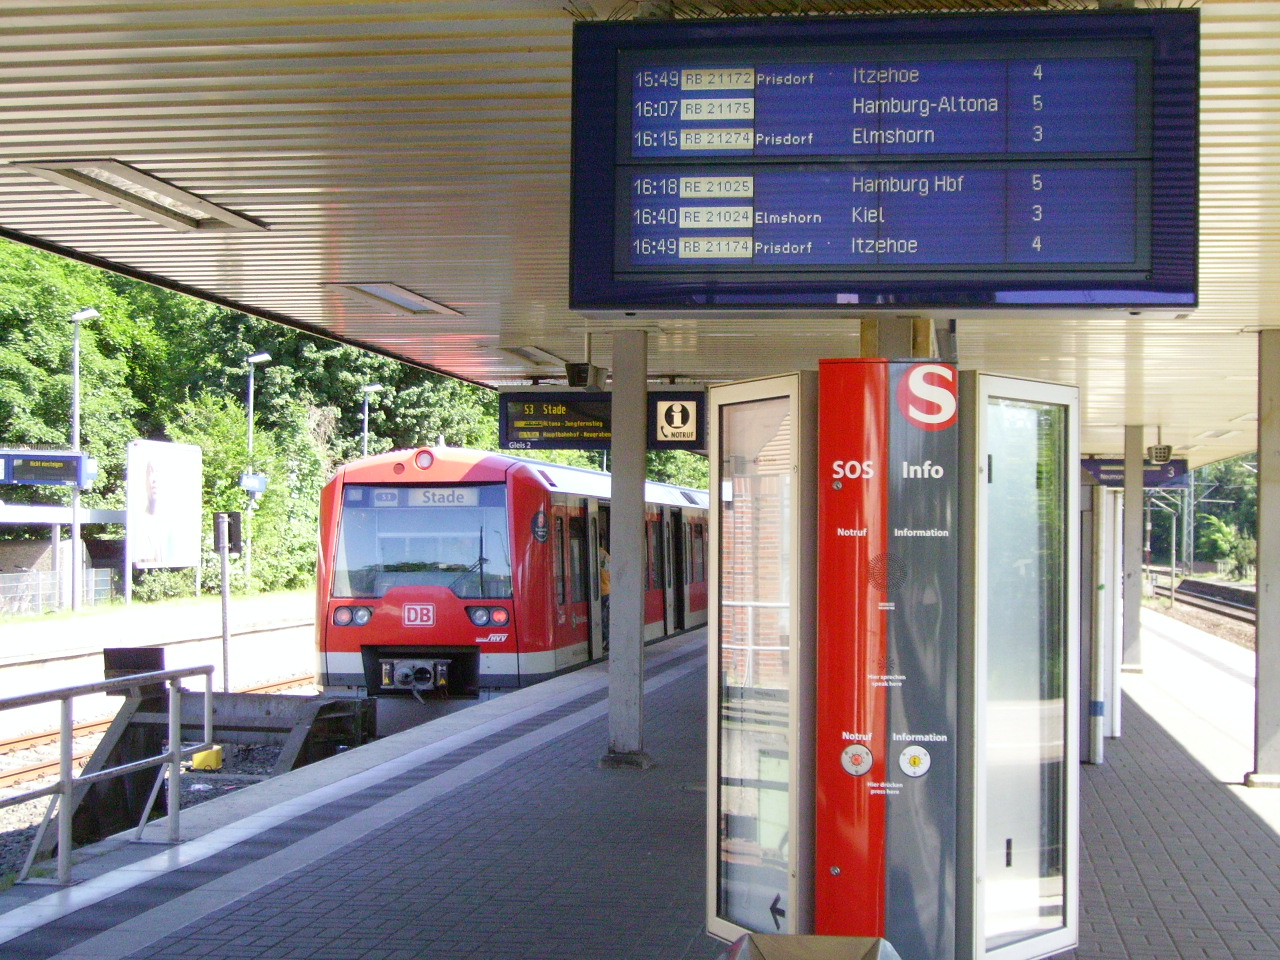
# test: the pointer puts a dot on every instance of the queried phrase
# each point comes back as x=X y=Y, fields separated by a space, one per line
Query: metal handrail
x=752 y=647
x=62 y=794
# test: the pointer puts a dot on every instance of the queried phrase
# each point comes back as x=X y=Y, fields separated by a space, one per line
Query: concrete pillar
x=897 y=338
x=1266 y=742
x=1134 y=462
x=627 y=552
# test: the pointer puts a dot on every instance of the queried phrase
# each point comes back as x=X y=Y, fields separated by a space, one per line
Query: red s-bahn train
x=448 y=572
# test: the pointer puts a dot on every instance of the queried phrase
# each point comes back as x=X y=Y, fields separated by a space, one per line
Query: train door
x=596 y=554
x=671 y=540
x=602 y=572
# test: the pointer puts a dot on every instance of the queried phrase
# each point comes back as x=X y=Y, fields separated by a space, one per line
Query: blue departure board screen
x=949 y=162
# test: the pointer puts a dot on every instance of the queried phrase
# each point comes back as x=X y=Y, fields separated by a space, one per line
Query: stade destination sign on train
x=1014 y=160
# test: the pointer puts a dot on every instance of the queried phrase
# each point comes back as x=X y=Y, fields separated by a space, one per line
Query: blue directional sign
x=254 y=483
x=46 y=469
x=1109 y=471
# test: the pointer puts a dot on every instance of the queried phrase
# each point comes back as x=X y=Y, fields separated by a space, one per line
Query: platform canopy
x=425 y=143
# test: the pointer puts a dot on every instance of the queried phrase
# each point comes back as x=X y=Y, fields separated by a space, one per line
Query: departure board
x=943 y=161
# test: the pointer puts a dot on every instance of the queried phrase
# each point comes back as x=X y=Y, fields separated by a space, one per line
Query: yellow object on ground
x=210 y=759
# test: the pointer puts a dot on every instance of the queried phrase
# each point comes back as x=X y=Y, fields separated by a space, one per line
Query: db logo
x=419 y=614
x=927 y=396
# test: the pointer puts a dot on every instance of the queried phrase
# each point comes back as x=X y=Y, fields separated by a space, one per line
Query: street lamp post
x=252 y=362
x=77 y=573
x=367 y=389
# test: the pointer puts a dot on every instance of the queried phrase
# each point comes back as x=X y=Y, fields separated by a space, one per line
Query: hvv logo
x=419 y=614
x=927 y=396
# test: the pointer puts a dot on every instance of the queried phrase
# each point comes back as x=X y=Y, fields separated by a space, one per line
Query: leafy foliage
x=1224 y=541
x=159 y=365
x=162 y=366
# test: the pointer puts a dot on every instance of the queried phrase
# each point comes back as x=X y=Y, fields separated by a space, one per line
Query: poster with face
x=163 y=483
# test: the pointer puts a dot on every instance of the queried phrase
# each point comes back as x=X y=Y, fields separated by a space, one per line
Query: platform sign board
x=582 y=420
x=1109 y=471
x=888 y=594
x=46 y=469
x=997 y=161
x=163 y=486
x=554 y=420
x=678 y=420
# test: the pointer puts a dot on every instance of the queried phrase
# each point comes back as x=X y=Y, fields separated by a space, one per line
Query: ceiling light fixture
x=130 y=189
x=536 y=356
x=398 y=298
x=1216 y=435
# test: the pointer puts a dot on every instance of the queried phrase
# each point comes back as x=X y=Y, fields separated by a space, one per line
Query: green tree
x=679 y=467
x=1226 y=491
x=1220 y=540
x=38 y=294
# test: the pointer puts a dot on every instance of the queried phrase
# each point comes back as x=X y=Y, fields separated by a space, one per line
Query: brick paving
x=1174 y=867
x=550 y=857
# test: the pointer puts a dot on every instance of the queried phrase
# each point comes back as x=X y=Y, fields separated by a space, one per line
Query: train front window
x=405 y=536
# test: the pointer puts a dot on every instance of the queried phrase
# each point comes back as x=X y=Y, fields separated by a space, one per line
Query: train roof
x=558 y=477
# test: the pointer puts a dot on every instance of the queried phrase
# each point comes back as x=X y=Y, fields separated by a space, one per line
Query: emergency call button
x=856 y=759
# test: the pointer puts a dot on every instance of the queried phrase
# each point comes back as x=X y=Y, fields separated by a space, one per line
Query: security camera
x=585 y=375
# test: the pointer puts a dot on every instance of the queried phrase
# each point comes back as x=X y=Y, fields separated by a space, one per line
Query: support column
x=1134 y=461
x=627 y=552
x=1266 y=741
x=897 y=338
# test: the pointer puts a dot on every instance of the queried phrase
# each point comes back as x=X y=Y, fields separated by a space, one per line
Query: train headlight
x=424 y=459
x=479 y=616
x=361 y=615
x=499 y=616
x=342 y=616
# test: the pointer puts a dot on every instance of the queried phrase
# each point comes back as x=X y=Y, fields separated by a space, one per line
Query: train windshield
x=403 y=536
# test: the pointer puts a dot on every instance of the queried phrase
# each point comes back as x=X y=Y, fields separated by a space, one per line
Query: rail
x=62 y=794
x=751 y=647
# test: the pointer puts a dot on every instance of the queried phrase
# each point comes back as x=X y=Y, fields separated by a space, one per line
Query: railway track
x=1235 y=611
x=37 y=771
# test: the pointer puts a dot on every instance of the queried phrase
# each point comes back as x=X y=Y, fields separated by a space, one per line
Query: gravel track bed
x=241 y=767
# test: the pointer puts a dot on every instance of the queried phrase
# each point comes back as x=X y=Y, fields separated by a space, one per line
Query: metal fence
x=69 y=788
x=39 y=591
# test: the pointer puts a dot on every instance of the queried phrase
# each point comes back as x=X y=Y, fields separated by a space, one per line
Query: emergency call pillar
x=900 y=762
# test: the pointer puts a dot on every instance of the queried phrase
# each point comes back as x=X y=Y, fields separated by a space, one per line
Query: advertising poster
x=163 y=483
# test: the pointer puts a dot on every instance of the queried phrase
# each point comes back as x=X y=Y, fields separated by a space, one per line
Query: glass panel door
x=1026 y=663
x=754 y=668
x=1026 y=647
x=760 y=684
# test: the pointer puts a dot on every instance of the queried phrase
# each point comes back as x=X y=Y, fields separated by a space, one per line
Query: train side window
x=654 y=549
x=668 y=554
x=578 y=572
x=559 y=560
x=688 y=552
x=699 y=553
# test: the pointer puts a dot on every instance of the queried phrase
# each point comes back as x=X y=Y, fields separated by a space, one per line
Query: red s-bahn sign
x=927 y=395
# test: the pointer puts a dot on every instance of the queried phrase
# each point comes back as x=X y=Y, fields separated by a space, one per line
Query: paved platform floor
x=492 y=833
